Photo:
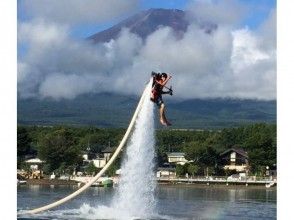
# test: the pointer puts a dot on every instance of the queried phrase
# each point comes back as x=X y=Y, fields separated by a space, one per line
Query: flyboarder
x=159 y=82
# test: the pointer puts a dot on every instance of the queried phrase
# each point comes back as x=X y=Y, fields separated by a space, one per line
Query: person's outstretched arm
x=165 y=81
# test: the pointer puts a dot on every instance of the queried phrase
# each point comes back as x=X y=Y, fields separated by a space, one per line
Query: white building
x=98 y=161
x=166 y=172
x=177 y=158
x=35 y=163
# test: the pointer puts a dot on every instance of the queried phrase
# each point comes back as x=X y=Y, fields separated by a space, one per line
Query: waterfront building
x=36 y=168
x=99 y=160
x=235 y=159
x=169 y=172
x=177 y=158
x=107 y=152
x=34 y=163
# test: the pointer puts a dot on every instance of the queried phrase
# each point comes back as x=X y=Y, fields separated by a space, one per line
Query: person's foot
x=165 y=123
x=168 y=123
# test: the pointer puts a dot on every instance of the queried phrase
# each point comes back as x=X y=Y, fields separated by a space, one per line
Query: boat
x=270 y=184
x=107 y=183
x=21 y=182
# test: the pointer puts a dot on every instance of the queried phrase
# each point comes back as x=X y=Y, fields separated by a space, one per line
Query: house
x=98 y=160
x=177 y=158
x=107 y=152
x=169 y=172
x=36 y=168
x=235 y=159
x=89 y=157
x=35 y=163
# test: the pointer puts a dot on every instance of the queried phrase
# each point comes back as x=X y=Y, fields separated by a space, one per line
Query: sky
x=238 y=60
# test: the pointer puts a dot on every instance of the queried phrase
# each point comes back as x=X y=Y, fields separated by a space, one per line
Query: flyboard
x=112 y=159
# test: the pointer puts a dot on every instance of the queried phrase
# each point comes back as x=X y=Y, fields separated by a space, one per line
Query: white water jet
x=135 y=195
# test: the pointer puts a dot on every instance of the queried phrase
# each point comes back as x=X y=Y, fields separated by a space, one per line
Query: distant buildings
x=99 y=160
x=107 y=152
x=34 y=163
x=177 y=158
x=169 y=172
x=35 y=166
x=235 y=159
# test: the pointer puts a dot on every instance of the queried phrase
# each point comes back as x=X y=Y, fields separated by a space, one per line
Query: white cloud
x=247 y=51
x=217 y=11
x=254 y=68
x=268 y=32
x=67 y=57
x=59 y=85
x=227 y=63
x=41 y=32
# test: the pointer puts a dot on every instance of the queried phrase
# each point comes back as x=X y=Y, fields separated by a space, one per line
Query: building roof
x=108 y=150
x=176 y=154
x=238 y=150
x=35 y=160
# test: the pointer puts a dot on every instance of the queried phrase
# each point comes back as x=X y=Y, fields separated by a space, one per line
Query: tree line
x=62 y=146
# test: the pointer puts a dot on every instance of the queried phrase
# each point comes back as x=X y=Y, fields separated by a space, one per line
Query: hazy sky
x=237 y=60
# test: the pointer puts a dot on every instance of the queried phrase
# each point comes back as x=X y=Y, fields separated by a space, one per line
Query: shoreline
x=224 y=186
x=50 y=182
x=57 y=182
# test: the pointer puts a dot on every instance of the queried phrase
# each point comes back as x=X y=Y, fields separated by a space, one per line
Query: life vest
x=155 y=91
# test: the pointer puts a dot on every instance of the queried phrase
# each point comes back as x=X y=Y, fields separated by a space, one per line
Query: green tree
x=112 y=169
x=91 y=169
x=192 y=169
x=59 y=147
x=180 y=170
x=23 y=144
x=201 y=154
x=260 y=143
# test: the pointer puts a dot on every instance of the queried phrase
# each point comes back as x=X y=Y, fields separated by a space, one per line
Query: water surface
x=173 y=202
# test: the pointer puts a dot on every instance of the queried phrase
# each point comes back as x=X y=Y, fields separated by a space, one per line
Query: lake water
x=173 y=202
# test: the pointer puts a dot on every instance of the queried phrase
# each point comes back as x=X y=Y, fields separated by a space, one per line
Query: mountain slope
x=146 y=22
x=109 y=110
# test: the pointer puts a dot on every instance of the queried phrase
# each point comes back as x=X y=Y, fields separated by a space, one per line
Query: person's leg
x=160 y=105
x=163 y=119
x=161 y=114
